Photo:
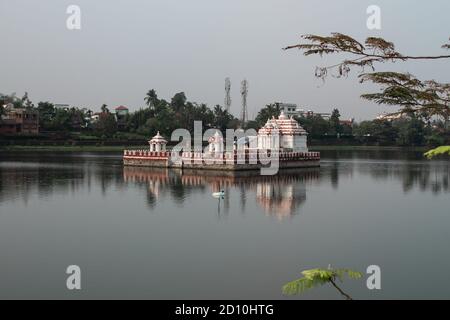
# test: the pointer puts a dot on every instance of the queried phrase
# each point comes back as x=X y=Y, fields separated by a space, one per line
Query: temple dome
x=158 y=139
x=282 y=116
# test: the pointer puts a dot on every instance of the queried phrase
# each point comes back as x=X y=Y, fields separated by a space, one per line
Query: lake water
x=157 y=234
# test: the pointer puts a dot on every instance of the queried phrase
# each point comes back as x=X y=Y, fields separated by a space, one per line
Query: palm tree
x=317 y=277
x=269 y=111
x=151 y=98
x=104 y=108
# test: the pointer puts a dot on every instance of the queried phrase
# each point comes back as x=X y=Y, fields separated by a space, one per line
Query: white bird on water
x=219 y=194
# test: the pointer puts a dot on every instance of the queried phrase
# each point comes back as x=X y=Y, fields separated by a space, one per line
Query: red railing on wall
x=227 y=156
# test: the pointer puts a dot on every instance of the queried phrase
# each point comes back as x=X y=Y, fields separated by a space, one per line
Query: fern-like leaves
x=317 y=277
x=442 y=150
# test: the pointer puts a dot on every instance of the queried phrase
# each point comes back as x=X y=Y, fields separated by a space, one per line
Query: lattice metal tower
x=244 y=92
x=227 y=102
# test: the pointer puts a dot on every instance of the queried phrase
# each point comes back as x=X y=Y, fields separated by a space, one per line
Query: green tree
x=47 y=114
x=26 y=102
x=315 y=125
x=139 y=118
x=434 y=139
x=104 y=108
x=151 y=99
x=269 y=111
x=381 y=131
x=106 y=125
x=335 y=124
x=11 y=98
x=223 y=119
x=178 y=101
x=410 y=132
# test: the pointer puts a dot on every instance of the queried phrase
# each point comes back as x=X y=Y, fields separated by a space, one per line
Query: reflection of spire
x=153 y=188
x=226 y=202
x=243 y=198
x=151 y=200
x=335 y=175
x=280 y=199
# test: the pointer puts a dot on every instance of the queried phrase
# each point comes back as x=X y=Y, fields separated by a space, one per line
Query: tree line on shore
x=165 y=116
x=158 y=115
x=407 y=130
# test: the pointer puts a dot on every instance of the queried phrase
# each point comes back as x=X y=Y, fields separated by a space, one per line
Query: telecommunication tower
x=227 y=101
x=244 y=92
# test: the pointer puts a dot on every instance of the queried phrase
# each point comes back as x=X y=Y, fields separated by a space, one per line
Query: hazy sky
x=126 y=47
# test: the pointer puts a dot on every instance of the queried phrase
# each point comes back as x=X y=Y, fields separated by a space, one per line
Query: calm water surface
x=143 y=233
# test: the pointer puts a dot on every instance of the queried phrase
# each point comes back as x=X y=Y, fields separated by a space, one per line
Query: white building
x=291 y=109
x=158 y=143
x=284 y=134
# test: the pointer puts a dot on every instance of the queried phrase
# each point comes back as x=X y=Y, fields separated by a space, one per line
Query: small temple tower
x=158 y=143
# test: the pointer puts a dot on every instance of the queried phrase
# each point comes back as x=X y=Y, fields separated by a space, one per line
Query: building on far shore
x=62 y=106
x=19 y=121
x=121 y=117
x=291 y=109
x=392 y=116
x=348 y=122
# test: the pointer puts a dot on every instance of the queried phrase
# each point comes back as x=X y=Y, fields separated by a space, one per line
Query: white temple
x=283 y=134
x=158 y=143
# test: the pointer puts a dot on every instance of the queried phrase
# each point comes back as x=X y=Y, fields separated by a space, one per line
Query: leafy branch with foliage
x=424 y=99
x=318 y=277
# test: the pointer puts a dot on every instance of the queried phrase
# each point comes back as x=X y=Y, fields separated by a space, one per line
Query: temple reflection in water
x=27 y=177
x=280 y=195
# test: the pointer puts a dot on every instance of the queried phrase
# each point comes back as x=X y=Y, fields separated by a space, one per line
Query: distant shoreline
x=68 y=148
x=121 y=148
x=367 y=148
